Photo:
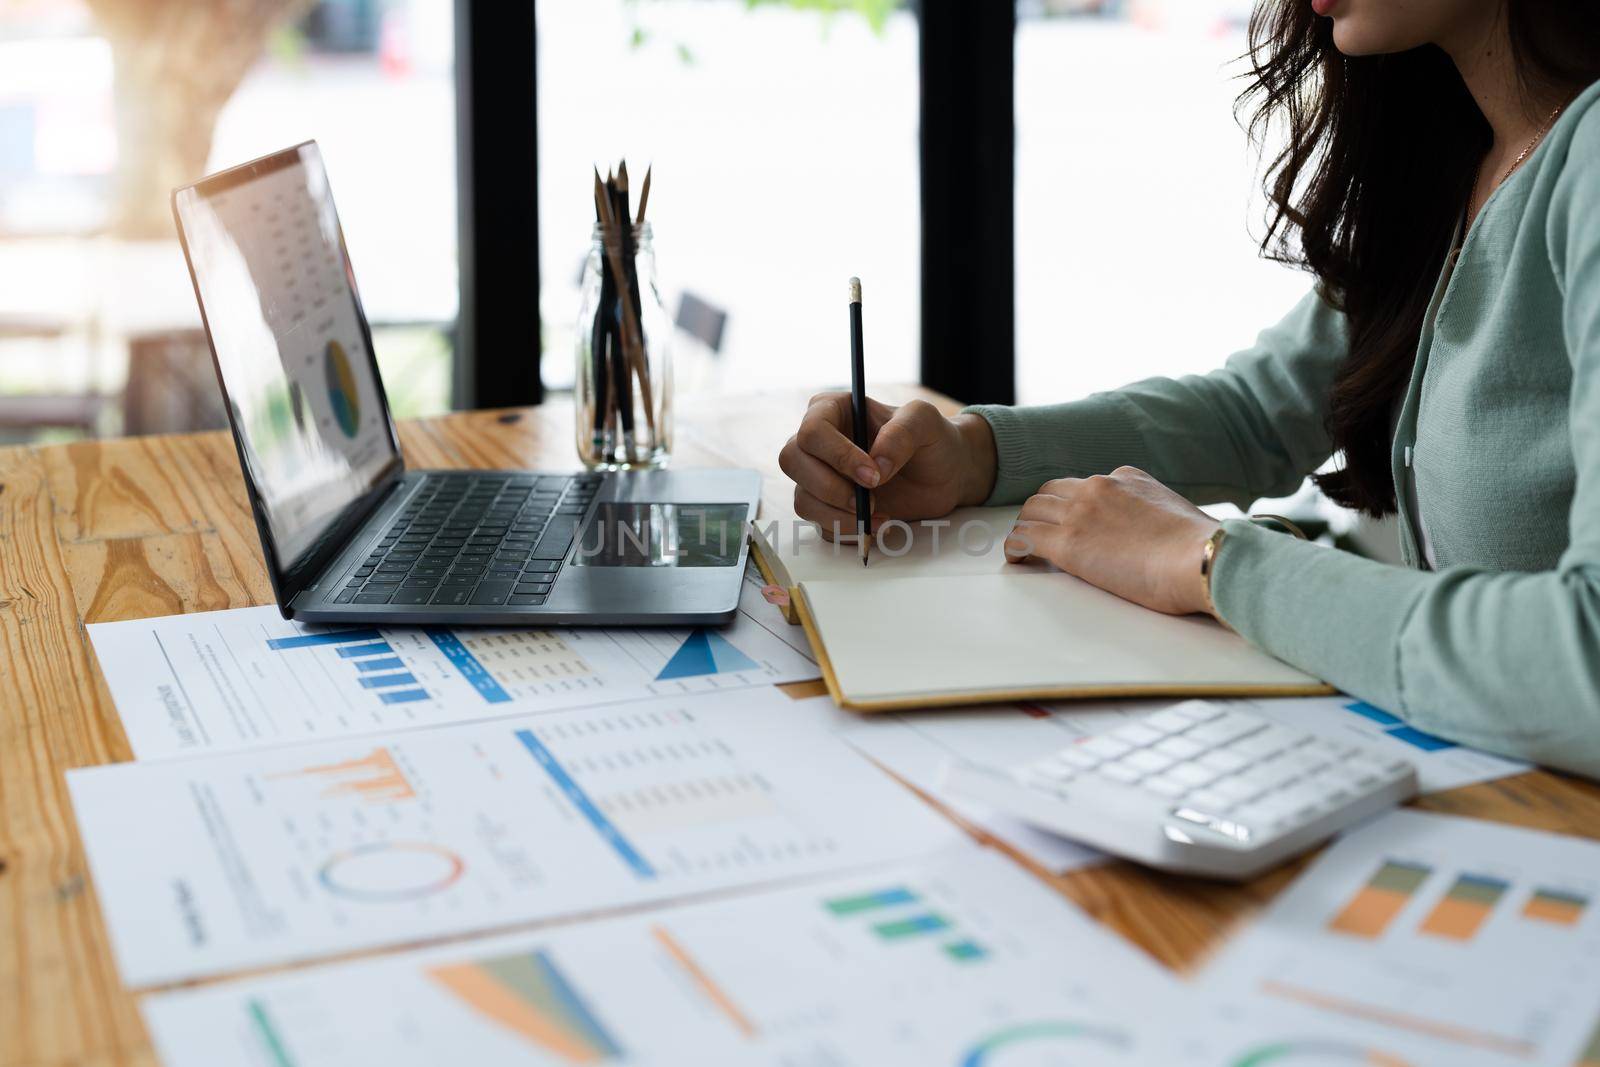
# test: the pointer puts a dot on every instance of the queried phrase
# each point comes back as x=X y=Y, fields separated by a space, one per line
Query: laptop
x=351 y=535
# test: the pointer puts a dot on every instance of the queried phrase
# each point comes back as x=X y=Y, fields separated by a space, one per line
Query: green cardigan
x=1498 y=437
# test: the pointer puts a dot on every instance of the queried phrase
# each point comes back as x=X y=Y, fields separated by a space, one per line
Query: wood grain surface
x=126 y=529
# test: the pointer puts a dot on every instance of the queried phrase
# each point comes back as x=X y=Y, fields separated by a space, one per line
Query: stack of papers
x=751 y=889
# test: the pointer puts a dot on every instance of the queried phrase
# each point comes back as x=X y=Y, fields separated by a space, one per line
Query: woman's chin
x=1354 y=39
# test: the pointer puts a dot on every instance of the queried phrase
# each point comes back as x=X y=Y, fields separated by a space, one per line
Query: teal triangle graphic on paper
x=729 y=660
x=704 y=653
x=693 y=658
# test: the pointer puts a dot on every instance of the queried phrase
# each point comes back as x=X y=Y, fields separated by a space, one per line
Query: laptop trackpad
x=630 y=534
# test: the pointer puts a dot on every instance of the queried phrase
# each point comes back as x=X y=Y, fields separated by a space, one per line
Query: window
x=784 y=146
x=1138 y=202
x=105 y=105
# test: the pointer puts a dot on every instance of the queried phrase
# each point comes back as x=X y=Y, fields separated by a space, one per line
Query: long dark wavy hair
x=1380 y=158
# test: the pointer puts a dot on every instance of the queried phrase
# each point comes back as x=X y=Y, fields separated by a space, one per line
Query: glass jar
x=623 y=389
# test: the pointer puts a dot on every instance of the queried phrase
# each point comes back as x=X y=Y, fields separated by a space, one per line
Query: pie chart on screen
x=342 y=390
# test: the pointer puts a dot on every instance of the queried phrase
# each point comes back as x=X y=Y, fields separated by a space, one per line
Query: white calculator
x=1197 y=788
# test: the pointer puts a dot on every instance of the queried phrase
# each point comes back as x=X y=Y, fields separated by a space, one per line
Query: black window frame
x=967 y=149
x=498 y=329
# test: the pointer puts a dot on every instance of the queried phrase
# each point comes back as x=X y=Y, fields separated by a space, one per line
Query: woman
x=1442 y=184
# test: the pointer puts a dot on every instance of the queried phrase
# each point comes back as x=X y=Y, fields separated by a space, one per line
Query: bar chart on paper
x=298 y=851
x=246 y=677
x=1440 y=939
x=702 y=983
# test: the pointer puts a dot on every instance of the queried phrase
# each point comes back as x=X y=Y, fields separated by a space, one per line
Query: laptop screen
x=291 y=342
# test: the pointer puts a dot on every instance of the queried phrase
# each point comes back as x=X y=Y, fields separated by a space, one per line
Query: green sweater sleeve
x=1254 y=428
x=1505 y=661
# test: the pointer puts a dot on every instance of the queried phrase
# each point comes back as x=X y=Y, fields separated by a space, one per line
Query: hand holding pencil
x=914 y=462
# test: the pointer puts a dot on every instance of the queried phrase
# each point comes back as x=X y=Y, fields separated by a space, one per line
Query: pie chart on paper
x=342 y=394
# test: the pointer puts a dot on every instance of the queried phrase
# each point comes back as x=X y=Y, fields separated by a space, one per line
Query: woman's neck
x=1482 y=53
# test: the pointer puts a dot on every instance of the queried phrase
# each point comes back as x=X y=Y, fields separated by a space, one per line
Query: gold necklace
x=1522 y=157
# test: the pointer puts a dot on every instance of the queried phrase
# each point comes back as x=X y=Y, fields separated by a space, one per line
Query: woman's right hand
x=921 y=465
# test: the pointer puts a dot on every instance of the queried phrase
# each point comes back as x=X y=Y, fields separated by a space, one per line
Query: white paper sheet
x=1417 y=940
x=227 y=680
x=284 y=854
x=965 y=959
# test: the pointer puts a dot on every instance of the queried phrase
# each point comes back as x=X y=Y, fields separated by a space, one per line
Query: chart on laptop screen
x=246 y=677
x=270 y=269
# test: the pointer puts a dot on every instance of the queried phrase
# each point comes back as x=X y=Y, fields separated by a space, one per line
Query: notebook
x=939 y=618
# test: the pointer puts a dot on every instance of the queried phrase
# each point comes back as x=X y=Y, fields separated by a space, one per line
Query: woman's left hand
x=1124 y=532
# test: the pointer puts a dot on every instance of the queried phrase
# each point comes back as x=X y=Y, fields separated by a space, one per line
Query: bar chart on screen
x=243 y=678
x=1440 y=939
x=848 y=972
x=295 y=852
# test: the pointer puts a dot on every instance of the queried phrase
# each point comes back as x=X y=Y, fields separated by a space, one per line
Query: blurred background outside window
x=784 y=142
x=1139 y=208
x=106 y=105
x=783 y=134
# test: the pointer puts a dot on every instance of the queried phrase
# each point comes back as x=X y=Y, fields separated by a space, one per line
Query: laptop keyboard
x=486 y=540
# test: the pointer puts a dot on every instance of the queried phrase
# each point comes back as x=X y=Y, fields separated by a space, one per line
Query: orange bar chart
x=375 y=778
x=1369 y=913
x=1555 y=906
x=1464 y=908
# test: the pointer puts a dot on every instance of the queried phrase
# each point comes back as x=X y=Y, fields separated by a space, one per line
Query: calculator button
x=1137 y=734
x=1147 y=761
x=1301 y=801
x=1078 y=757
x=1192 y=774
x=1268 y=815
x=1224 y=760
x=1273 y=773
x=1211 y=800
x=1237 y=788
x=1119 y=772
x=1056 y=769
x=1164 y=786
x=1305 y=760
x=1104 y=746
x=1225 y=730
x=1179 y=748
x=1266 y=742
x=1212 y=821
x=1170 y=721
x=1197 y=711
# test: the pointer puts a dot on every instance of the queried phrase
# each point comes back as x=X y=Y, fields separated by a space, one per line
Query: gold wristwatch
x=1208 y=559
x=1208 y=555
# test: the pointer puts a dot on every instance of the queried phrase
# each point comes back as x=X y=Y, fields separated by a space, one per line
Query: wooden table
x=128 y=529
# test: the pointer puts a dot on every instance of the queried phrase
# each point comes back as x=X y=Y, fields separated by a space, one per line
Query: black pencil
x=858 y=413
